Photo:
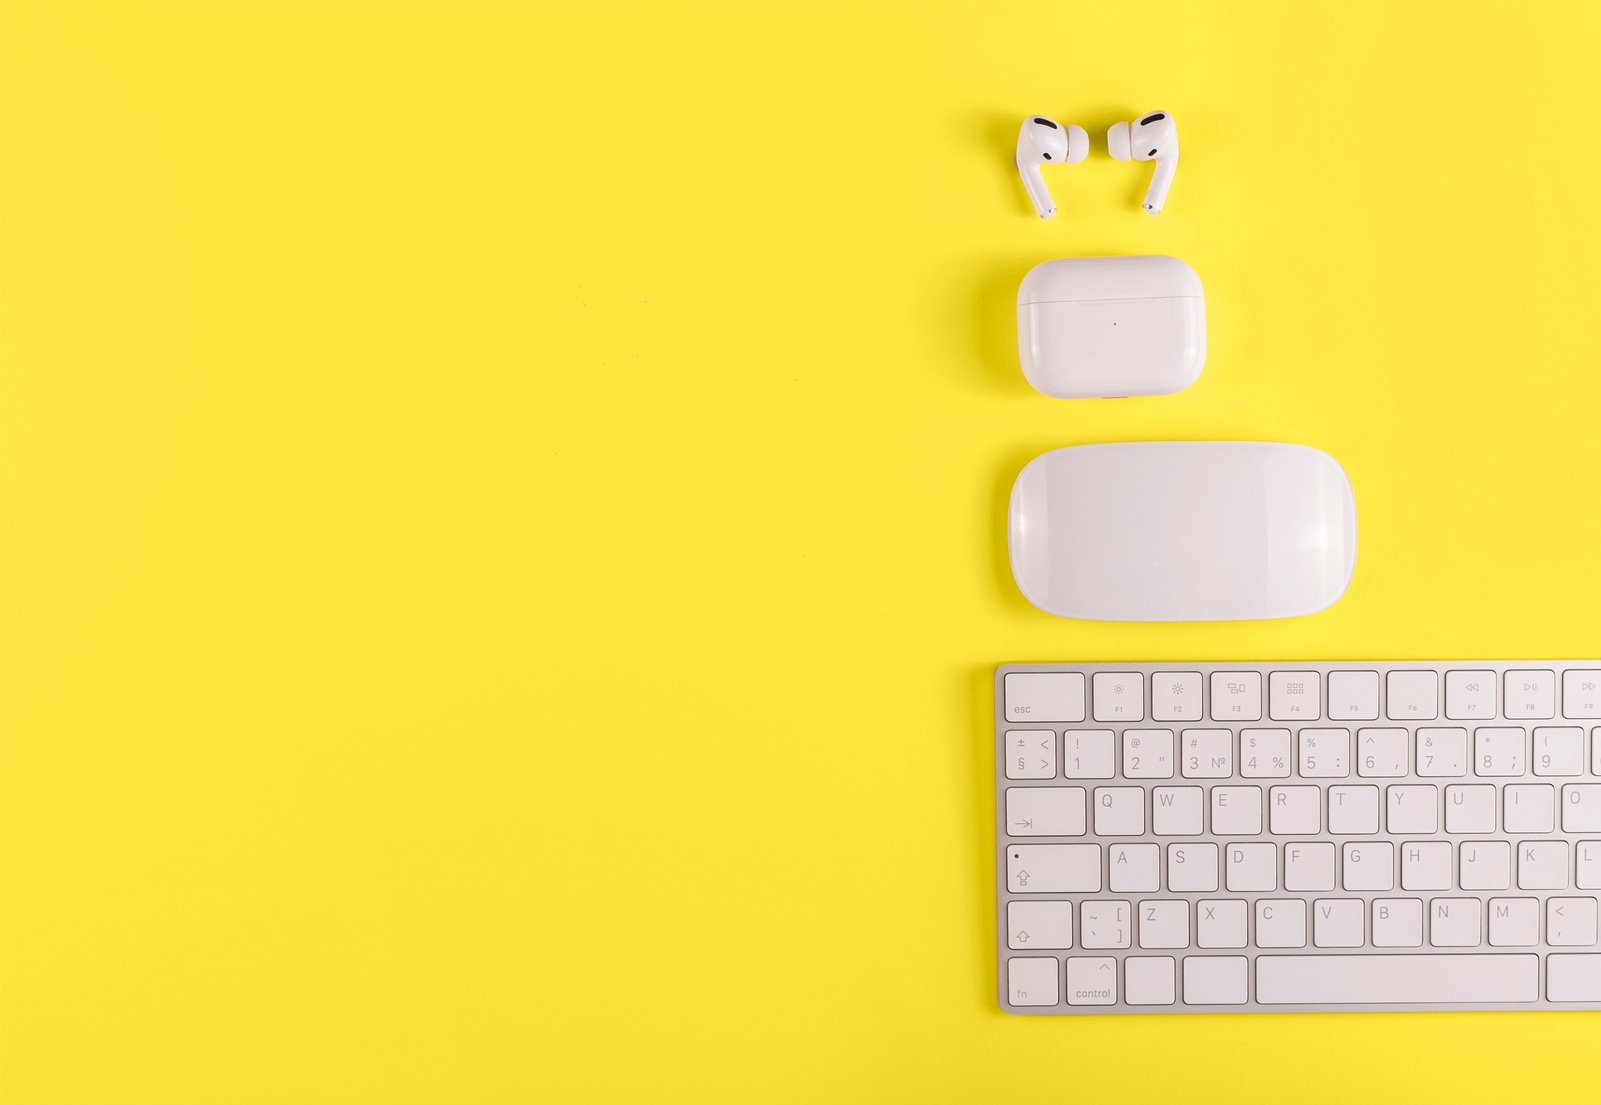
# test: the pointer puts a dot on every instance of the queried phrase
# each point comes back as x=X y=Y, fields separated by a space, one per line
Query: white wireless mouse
x=1183 y=531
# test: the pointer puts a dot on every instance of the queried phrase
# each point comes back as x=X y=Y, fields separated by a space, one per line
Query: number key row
x=1321 y=753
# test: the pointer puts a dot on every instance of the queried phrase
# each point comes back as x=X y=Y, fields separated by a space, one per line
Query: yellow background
x=502 y=518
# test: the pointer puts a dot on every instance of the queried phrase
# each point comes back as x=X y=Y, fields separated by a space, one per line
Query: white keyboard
x=1238 y=837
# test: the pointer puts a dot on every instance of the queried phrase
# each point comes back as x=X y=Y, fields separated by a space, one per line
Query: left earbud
x=1044 y=141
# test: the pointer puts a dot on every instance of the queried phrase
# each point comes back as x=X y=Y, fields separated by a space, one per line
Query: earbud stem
x=1161 y=181
x=1034 y=184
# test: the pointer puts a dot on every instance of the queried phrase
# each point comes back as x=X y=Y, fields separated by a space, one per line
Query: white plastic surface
x=1183 y=531
x=1301 y=883
x=1108 y=327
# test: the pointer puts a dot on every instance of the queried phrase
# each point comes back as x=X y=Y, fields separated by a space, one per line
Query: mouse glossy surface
x=1183 y=531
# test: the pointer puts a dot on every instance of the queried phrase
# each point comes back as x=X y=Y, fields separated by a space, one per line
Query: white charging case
x=1108 y=327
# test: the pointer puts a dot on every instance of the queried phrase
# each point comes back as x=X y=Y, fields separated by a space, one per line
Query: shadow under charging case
x=1109 y=327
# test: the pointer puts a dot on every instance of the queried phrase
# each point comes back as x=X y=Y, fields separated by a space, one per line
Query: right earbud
x=1151 y=137
x=1044 y=141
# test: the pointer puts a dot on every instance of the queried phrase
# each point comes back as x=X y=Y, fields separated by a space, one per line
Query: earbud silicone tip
x=1078 y=144
x=1117 y=142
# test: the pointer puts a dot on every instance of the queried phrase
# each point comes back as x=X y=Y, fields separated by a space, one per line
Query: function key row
x=1319 y=753
x=1120 y=696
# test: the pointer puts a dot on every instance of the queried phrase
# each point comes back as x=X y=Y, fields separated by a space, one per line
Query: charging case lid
x=1107 y=327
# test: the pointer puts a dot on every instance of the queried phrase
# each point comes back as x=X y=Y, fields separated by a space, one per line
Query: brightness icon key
x=1119 y=696
x=1176 y=696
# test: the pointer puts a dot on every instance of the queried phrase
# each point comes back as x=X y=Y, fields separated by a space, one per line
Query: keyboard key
x=1381 y=753
x=1252 y=867
x=1148 y=753
x=1119 y=811
x=1148 y=979
x=1214 y=979
x=1295 y=811
x=1293 y=695
x=1088 y=753
x=1353 y=811
x=1337 y=922
x=1543 y=865
x=1031 y=981
x=1588 y=867
x=1165 y=924
x=1581 y=693
x=1325 y=753
x=1176 y=811
x=1570 y=922
x=1369 y=865
x=1581 y=807
x=1573 y=977
x=1105 y=924
x=1220 y=924
x=1119 y=696
x=1091 y=980
x=1193 y=867
x=1397 y=923
x=1558 y=750
x=1529 y=808
x=1353 y=695
x=1206 y=753
x=1236 y=696
x=1470 y=809
x=1412 y=809
x=1469 y=695
x=1426 y=865
x=1412 y=696
x=1531 y=694
x=1044 y=696
x=1236 y=811
x=1309 y=867
x=1456 y=922
x=1514 y=922
x=1281 y=923
x=1396 y=979
x=1044 y=811
x=1442 y=752
x=1053 y=868
x=1030 y=754
x=1176 y=696
x=1133 y=868
x=1039 y=925
x=1486 y=865
x=1265 y=753
x=1499 y=750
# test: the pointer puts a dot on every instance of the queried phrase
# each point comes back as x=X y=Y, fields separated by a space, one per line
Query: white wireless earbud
x=1044 y=141
x=1151 y=137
